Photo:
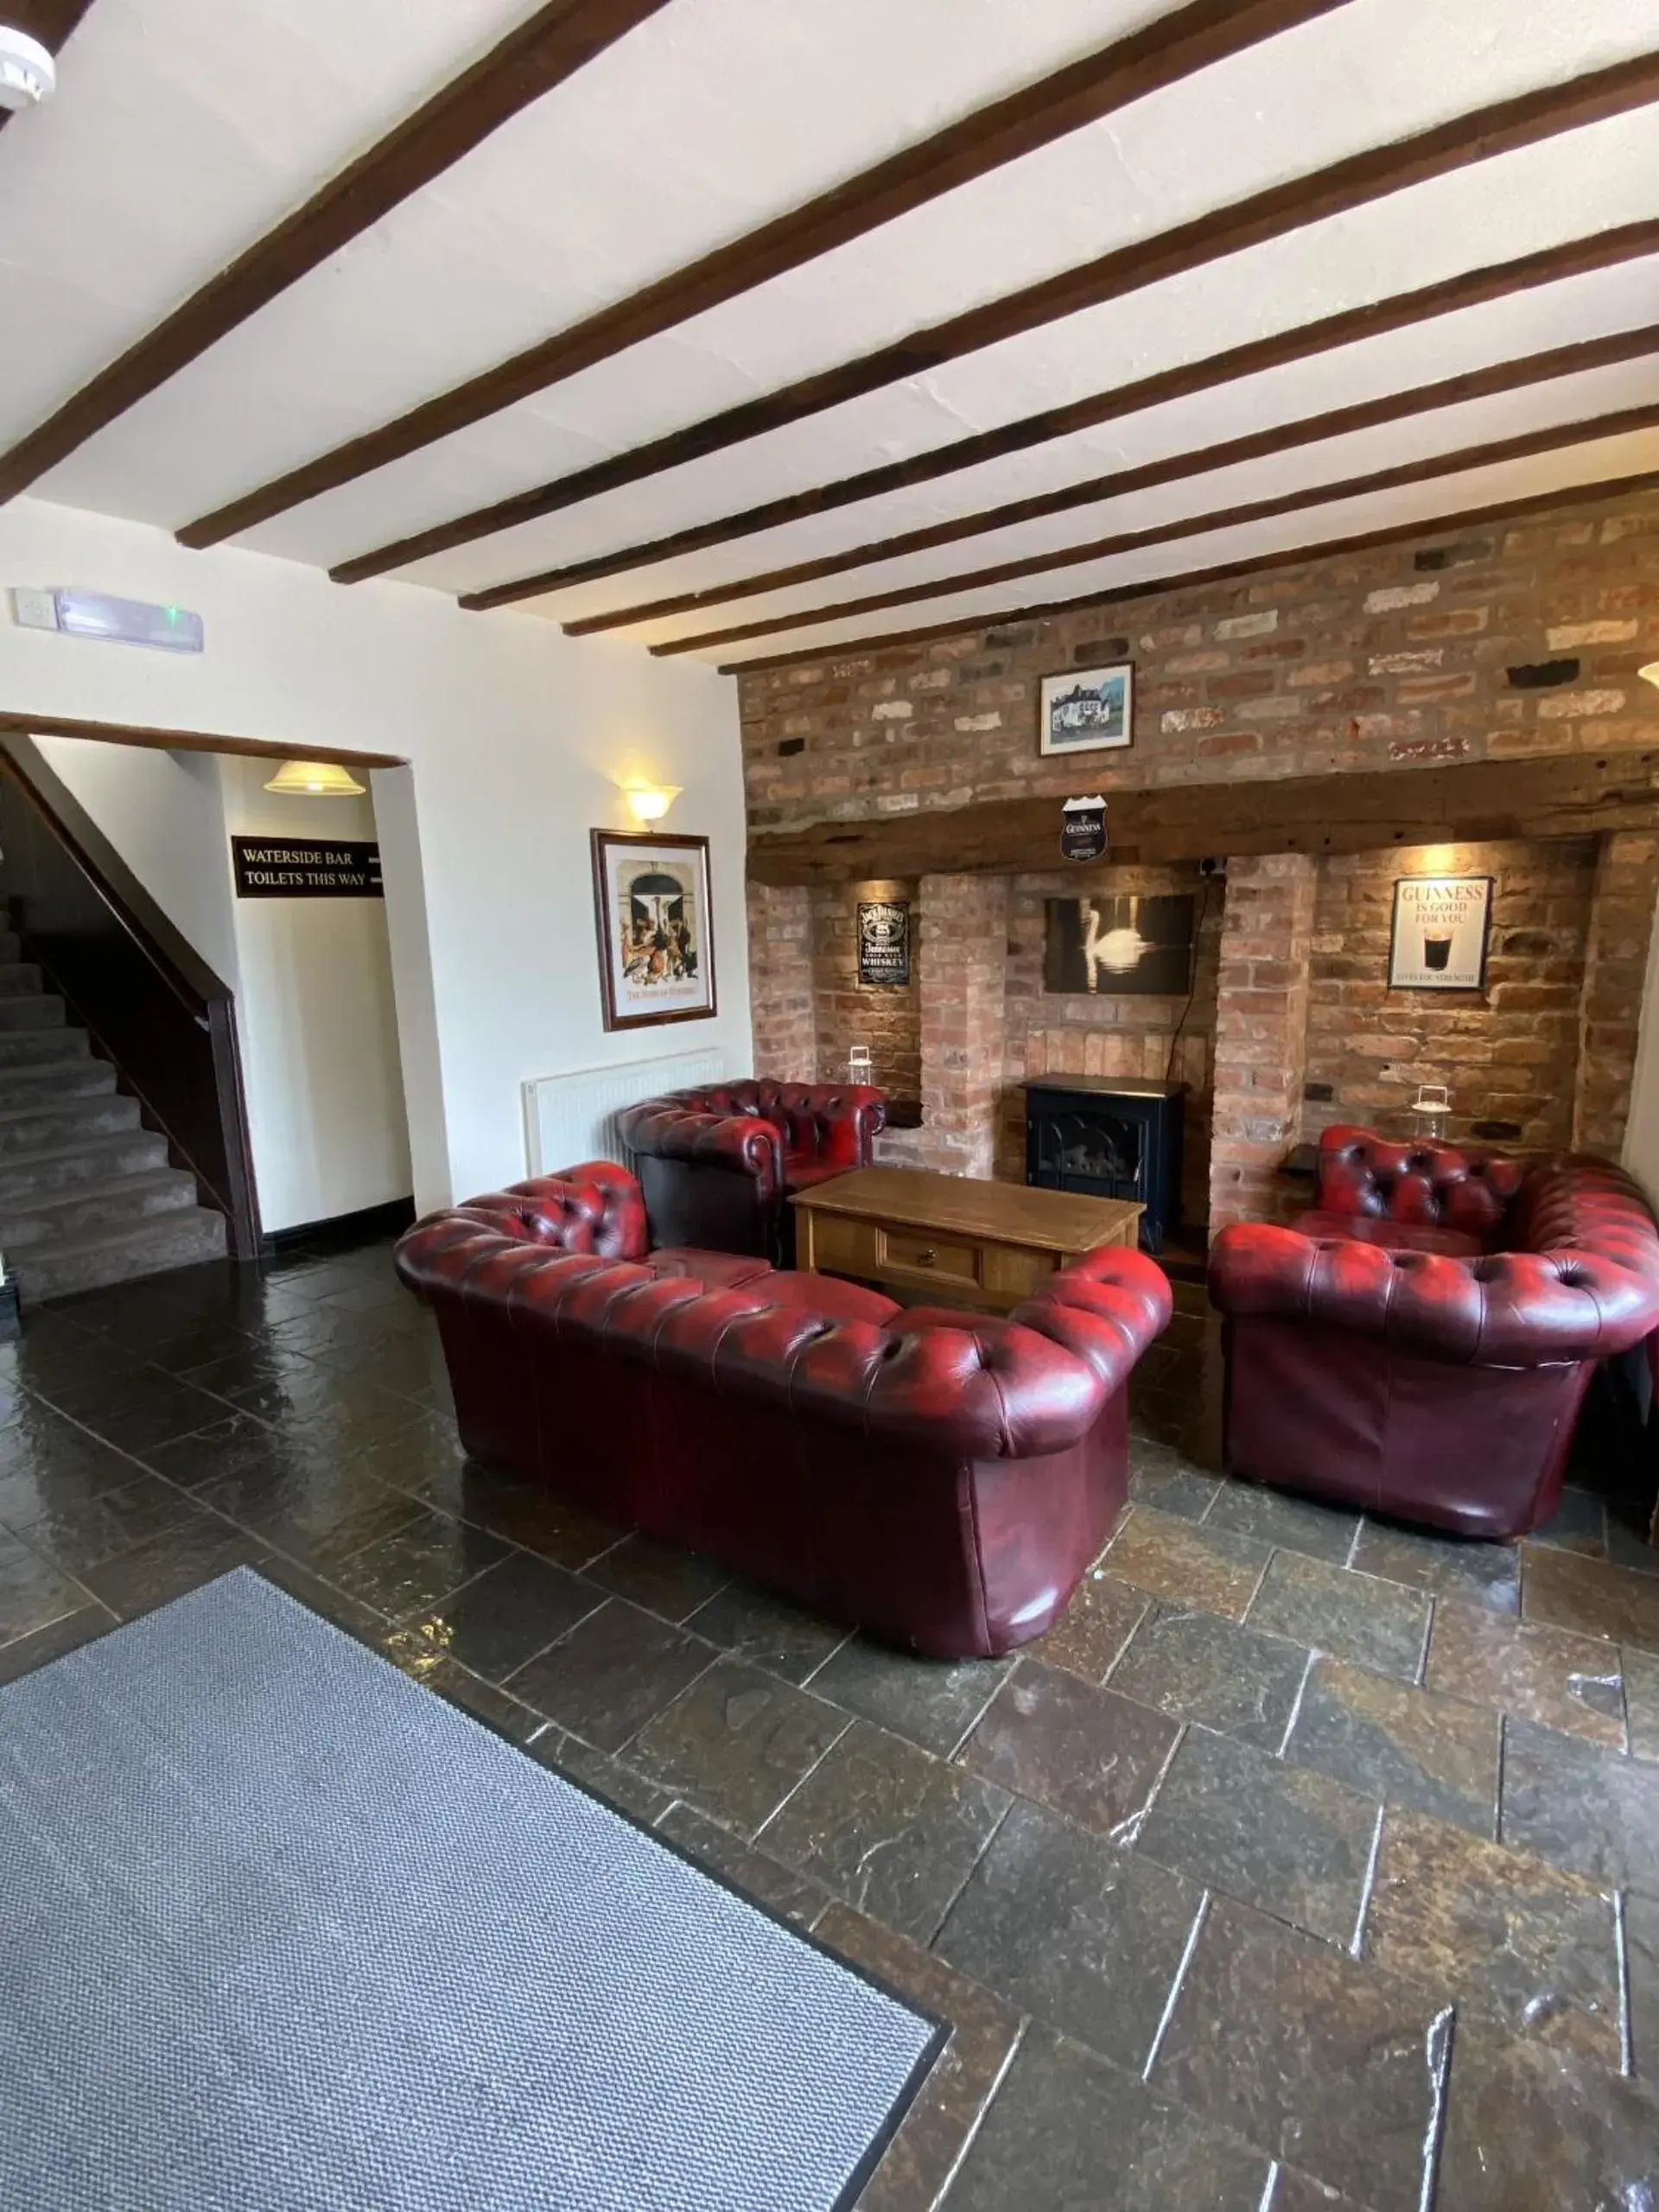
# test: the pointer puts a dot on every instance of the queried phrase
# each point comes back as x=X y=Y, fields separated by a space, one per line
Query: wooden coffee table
x=978 y=1243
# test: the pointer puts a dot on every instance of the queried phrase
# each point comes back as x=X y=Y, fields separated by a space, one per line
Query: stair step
x=173 y=1240
x=18 y=978
x=37 y=1082
x=94 y=1208
x=52 y=1126
x=22 y=1047
x=33 y=1174
x=31 y=1010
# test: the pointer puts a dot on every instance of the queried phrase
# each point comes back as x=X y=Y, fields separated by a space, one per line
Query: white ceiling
x=184 y=129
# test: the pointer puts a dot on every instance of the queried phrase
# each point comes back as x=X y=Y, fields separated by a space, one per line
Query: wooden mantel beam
x=1560 y=795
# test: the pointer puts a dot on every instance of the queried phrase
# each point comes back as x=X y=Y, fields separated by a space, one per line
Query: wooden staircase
x=87 y=1195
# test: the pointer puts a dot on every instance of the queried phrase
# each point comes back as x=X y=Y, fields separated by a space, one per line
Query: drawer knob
x=927 y=1258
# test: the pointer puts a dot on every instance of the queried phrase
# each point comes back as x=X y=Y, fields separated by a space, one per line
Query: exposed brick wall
x=1621 y=924
x=964 y=928
x=887 y=1017
x=1391 y=659
x=1266 y=935
x=1507 y=1054
x=780 y=983
x=1085 y=1034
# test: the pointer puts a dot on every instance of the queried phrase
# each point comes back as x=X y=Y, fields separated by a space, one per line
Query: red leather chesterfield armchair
x=1423 y=1197
x=941 y=1479
x=716 y=1165
x=1434 y=1385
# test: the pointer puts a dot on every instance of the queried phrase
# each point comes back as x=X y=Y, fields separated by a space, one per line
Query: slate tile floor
x=1309 y=1862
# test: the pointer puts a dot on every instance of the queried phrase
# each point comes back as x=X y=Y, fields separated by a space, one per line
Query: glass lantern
x=860 y=1068
x=1431 y=1112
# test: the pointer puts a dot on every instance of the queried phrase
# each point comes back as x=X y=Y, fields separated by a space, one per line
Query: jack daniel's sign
x=884 y=940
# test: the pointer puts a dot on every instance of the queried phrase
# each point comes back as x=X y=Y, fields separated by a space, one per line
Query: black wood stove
x=1110 y=1138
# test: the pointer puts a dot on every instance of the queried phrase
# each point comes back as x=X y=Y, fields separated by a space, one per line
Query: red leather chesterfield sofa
x=716 y=1165
x=1436 y=1385
x=940 y=1479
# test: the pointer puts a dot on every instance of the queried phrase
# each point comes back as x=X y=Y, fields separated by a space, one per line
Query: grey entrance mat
x=281 y=1931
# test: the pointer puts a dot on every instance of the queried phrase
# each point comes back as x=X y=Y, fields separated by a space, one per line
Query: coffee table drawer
x=914 y=1252
x=845 y=1246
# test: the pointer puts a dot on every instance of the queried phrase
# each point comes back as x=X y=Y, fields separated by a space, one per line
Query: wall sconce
x=315 y=780
x=1651 y=673
x=651 y=802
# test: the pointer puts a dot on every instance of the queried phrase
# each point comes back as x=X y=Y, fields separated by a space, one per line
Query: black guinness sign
x=1083 y=828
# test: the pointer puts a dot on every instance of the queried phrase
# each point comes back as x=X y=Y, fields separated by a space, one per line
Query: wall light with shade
x=1651 y=673
x=315 y=780
x=651 y=802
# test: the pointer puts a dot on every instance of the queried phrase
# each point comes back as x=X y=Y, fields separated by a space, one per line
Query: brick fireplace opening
x=1400 y=658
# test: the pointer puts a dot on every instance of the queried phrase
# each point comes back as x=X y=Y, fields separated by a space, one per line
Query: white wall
x=318 y=1032
x=164 y=813
x=517 y=737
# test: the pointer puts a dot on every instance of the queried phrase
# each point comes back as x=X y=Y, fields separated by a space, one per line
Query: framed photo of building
x=1088 y=709
x=1441 y=923
x=656 y=928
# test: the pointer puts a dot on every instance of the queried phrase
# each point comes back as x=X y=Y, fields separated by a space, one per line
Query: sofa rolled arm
x=744 y=1144
x=1506 y=1309
x=1106 y=1308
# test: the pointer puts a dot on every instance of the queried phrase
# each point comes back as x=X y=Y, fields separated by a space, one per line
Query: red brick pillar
x=1267 y=929
x=964 y=954
x=780 y=982
x=1615 y=972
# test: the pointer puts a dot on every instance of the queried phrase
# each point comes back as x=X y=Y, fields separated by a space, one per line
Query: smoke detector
x=28 y=72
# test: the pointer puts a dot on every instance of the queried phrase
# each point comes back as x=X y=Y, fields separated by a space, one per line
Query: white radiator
x=569 y=1118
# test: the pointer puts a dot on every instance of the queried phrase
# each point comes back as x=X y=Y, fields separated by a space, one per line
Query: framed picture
x=1119 y=948
x=656 y=928
x=884 y=940
x=1441 y=927
x=1088 y=708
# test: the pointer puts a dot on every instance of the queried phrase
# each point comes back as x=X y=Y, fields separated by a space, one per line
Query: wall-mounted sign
x=305 y=867
x=884 y=940
x=1440 y=925
x=1083 y=828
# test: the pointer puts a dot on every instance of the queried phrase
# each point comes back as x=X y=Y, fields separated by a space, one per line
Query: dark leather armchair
x=716 y=1165
x=1435 y=1386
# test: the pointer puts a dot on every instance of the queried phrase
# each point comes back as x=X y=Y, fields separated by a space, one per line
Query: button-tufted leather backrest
x=1582 y=1204
x=595 y=1208
x=1577 y=1300
x=829 y=1122
x=963 y=1383
x=1432 y=1185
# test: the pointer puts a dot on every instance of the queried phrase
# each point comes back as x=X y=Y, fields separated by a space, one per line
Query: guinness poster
x=305 y=867
x=884 y=941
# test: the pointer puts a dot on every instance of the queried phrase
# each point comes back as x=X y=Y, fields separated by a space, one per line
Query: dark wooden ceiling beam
x=1371 y=174
x=556 y=41
x=1552 y=439
x=49 y=21
x=1365 y=541
x=1551 y=264
x=1558 y=795
x=22 y=722
x=1336 y=422
x=1192 y=38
